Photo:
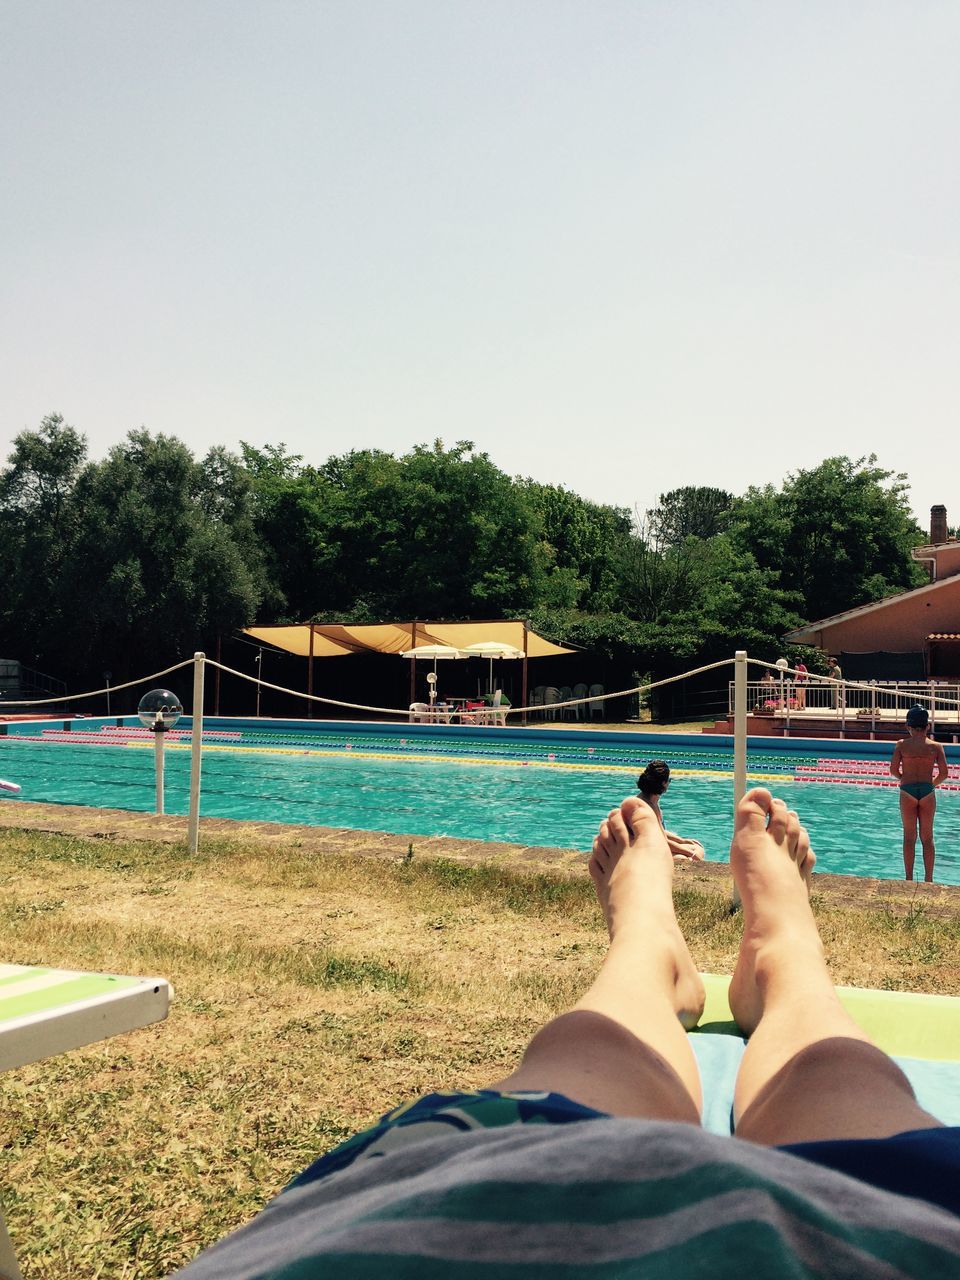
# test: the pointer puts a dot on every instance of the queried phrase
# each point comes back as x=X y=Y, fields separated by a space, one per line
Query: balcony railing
x=859 y=700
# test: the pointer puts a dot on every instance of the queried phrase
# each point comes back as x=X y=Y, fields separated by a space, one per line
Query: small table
x=48 y=1011
x=466 y=710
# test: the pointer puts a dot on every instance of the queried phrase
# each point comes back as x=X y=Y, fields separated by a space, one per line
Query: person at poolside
x=590 y=1158
x=921 y=766
x=652 y=784
x=835 y=672
x=800 y=676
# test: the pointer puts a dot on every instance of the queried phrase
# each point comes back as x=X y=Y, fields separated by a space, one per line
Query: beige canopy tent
x=334 y=640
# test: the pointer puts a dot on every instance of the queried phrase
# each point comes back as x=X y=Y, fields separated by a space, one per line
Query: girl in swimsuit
x=651 y=784
x=914 y=760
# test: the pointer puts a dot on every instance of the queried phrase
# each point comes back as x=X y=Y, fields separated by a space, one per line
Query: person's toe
x=793 y=830
x=604 y=841
x=777 y=826
x=752 y=811
x=636 y=814
x=619 y=832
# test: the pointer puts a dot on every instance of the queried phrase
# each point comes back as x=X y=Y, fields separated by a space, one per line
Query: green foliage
x=579 y=548
x=143 y=557
x=838 y=535
x=169 y=572
x=437 y=533
x=126 y=563
x=690 y=512
x=36 y=526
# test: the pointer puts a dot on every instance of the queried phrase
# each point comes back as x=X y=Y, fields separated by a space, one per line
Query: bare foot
x=772 y=863
x=632 y=870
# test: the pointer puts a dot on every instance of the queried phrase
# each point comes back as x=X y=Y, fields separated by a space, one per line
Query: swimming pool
x=528 y=787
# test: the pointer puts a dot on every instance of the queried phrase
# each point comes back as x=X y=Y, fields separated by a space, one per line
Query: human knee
x=828 y=1068
x=584 y=1033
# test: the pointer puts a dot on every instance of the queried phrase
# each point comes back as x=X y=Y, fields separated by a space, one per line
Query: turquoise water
x=854 y=829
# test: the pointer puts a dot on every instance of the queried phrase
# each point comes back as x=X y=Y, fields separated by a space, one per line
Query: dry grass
x=313 y=992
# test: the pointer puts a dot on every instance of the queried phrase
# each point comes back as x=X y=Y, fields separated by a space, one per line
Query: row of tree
x=135 y=561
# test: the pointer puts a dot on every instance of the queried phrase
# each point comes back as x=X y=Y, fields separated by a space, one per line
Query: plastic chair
x=580 y=691
x=419 y=712
x=550 y=696
x=567 y=713
x=495 y=713
x=595 y=707
x=536 y=698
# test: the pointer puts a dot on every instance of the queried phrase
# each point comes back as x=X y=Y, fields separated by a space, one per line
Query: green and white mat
x=47 y=1011
x=920 y=1032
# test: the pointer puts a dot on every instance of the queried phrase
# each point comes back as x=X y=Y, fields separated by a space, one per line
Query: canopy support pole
x=413 y=662
x=310 y=677
x=523 y=691
x=216 y=679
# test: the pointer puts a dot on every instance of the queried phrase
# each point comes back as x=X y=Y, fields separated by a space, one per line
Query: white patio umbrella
x=491 y=649
x=437 y=652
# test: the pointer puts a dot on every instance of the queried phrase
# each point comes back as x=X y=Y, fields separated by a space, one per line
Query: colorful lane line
x=861 y=773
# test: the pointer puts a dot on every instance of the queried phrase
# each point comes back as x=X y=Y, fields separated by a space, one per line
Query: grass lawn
x=314 y=989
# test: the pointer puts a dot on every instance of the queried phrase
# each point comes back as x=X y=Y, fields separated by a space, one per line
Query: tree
x=36 y=528
x=838 y=535
x=690 y=512
x=289 y=504
x=153 y=572
x=437 y=533
x=579 y=546
x=709 y=588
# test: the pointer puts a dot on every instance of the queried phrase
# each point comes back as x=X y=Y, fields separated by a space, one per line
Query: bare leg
x=908 y=816
x=926 y=808
x=808 y=1072
x=623 y=1048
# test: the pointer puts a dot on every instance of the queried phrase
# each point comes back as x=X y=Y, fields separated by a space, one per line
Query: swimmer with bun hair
x=651 y=784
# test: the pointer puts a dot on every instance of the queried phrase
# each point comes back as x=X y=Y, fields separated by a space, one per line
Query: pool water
x=494 y=792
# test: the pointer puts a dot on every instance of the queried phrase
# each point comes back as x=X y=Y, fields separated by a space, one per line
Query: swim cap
x=917 y=717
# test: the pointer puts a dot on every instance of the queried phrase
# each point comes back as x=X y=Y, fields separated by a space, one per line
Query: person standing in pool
x=651 y=784
x=915 y=760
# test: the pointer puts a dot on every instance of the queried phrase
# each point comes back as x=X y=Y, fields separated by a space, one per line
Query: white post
x=158 y=731
x=843 y=708
x=873 y=709
x=786 y=706
x=739 y=726
x=739 y=736
x=196 y=737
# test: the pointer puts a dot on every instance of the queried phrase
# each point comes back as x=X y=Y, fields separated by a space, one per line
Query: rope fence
x=740 y=663
x=810 y=679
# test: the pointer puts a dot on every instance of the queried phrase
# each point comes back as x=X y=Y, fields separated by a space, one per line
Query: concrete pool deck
x=121 y=824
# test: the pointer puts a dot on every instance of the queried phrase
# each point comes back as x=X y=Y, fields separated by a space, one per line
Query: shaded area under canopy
x=333 y=640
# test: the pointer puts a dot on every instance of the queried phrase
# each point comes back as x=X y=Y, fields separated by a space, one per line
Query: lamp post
x=258 y=659
x=782 y=665
x=106 y=677
x=159 y=710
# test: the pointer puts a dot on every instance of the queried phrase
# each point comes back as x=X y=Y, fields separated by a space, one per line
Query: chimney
x=938 y=524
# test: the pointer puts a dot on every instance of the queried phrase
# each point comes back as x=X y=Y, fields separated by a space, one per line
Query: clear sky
x=622 y=247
